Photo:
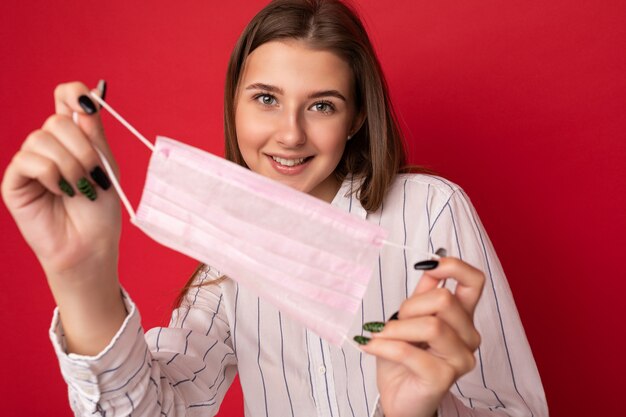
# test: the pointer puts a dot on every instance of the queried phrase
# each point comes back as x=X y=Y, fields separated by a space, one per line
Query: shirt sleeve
x=183 y=369
x=505 y=380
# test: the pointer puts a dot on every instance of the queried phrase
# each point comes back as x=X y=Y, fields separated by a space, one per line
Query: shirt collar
x=346 y=200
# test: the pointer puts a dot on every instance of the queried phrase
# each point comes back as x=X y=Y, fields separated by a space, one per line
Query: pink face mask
x=310 y=260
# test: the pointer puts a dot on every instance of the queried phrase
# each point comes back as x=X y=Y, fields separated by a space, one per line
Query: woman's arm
x=505 y=378
x=183 y=369
x=60 y=199
x=59 y=196
x=458 y=350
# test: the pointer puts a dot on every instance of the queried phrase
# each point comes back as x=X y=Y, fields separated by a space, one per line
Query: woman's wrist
x=91 y=322
x=90 y=305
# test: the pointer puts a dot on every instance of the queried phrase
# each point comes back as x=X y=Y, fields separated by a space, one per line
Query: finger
x=45 y=144
x=73 y=98
x=440 y=302
x=426 y=283
x=67 y=99
x=76 y=142
x=420 y=362
x=470 y=281
x=441 y=339
x=29 y=169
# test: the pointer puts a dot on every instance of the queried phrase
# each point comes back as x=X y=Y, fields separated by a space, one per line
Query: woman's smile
x=289 y=166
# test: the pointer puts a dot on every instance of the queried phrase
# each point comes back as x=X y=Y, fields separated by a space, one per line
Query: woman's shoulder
x=428 y=184
x=410 y=191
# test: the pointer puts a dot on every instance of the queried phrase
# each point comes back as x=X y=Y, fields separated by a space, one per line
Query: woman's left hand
x=431 y=344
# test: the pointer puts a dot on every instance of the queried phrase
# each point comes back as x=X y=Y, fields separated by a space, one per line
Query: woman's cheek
x=252 y=129
x=333 y=136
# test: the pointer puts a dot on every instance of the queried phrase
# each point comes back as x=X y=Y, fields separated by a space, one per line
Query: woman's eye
x=324 y=107
x=266 y=99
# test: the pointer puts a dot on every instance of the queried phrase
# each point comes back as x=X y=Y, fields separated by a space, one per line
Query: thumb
x=429 y=282
x=426 y=283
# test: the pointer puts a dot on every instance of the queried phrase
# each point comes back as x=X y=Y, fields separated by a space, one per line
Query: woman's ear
x=357 y=123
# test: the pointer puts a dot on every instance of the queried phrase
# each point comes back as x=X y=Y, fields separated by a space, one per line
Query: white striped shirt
x=286 y=370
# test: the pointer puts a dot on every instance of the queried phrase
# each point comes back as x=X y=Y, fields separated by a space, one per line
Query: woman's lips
x=288 y=166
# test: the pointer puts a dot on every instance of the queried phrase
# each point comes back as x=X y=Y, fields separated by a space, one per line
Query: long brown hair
x=375 y=154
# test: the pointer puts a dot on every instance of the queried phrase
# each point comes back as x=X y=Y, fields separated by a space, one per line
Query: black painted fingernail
x=441 y=252
x=85 y=187
x=362 y=340
x=394 y=316
x=102 y=88
x=66 y=187
x=425 y=265
x=374 y=326
x=87 y=105
x=100 y=177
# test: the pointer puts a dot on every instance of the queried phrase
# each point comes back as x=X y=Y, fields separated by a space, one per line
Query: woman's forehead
x=293 y=66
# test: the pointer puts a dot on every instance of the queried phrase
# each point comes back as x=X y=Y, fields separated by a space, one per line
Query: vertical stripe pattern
x=287 y=371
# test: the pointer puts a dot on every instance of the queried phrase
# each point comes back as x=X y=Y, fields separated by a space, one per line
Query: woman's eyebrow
x=266 y=87
x=278 y=90
x=328 y=93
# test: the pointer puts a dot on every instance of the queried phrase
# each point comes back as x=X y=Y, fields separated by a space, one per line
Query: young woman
x=306 y=105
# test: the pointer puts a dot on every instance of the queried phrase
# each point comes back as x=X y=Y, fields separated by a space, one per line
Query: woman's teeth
x=288 y=162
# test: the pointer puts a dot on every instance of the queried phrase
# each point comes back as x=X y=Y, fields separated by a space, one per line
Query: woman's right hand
x=75 y=238
x=65 y=232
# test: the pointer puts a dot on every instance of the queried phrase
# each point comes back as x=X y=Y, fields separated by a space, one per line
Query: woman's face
x=294 y=109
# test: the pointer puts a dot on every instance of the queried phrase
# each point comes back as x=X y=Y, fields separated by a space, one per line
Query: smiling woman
x=324 y=29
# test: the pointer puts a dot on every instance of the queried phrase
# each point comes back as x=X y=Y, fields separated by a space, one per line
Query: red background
x=522 y=103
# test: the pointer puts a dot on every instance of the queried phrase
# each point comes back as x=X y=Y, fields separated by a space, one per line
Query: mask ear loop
x=116 y=184
x=123 y=121
x=412 y=249
x=105 y=162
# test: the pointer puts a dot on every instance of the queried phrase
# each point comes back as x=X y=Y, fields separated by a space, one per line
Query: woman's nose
x=291 y=133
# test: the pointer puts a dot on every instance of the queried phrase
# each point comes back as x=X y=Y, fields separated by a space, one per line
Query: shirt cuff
x=447 y=403
x=91 y=376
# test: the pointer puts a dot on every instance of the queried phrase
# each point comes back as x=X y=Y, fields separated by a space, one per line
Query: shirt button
x=322 y=369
